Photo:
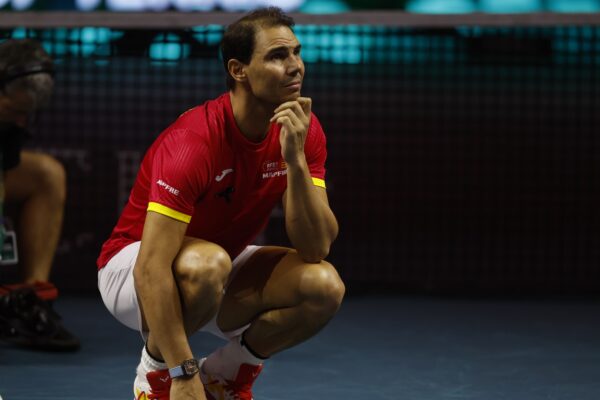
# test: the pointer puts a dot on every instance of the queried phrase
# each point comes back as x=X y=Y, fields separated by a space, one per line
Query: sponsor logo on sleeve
x=167 y=187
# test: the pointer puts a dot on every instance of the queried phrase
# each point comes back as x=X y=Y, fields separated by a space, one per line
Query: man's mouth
x=294 y=85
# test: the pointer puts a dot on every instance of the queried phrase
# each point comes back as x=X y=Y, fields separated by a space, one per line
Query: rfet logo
x=272 y=169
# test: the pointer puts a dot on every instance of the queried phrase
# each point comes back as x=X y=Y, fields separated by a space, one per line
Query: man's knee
x=205 y=266
x=49 y=174
x=37 y=174
x=322 y=286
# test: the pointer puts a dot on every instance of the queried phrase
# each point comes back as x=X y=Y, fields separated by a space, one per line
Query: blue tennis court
x=377 y=348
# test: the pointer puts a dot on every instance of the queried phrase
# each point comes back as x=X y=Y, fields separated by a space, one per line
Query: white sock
x=147 y=364
x=226 y=360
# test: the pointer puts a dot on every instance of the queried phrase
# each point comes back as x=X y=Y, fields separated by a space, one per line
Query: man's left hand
x=294 y=118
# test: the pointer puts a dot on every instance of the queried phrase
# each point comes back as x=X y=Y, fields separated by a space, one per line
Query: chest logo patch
x=271 y=169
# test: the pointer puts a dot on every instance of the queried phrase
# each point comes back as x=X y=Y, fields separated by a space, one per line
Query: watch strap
x=186 y=369
x=176 y=372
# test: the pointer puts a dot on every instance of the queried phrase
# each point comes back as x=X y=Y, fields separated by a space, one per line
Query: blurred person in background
x=35 y=189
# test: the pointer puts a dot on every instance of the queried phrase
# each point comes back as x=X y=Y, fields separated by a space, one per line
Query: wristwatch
x=185 y=370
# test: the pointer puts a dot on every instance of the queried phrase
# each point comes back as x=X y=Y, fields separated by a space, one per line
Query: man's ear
x=237 y=70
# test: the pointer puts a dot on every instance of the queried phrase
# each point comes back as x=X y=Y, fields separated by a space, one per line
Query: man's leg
x=200 y=270
x=38 y=187
x=284 y=300
x=37 y=190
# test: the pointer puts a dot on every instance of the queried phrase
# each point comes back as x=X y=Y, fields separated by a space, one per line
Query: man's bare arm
x=309 y=221
x=159 y=296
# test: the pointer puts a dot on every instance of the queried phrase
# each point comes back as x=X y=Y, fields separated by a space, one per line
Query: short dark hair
x=239 y=38
x=25 y=65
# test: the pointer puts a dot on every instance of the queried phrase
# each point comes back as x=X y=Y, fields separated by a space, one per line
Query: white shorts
x=115 y=282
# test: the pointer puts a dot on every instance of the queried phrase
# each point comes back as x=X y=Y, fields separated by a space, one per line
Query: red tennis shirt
x=203 y=171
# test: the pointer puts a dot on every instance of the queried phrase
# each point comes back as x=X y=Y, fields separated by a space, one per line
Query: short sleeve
x=179 y=175
x=315 y=149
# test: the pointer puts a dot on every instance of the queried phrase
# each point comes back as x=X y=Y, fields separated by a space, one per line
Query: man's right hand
x=187 y=389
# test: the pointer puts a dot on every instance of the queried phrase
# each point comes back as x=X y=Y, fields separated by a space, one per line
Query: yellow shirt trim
x=319 y=182
x=169 y=212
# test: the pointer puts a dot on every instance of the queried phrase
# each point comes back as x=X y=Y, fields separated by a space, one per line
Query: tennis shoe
x=218 y=388
x=26 y=320
x=156 y=387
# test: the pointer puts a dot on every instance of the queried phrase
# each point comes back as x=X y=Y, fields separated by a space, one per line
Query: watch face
x=190 y=367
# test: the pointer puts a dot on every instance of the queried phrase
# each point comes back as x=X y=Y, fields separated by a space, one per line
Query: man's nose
x=295 y=65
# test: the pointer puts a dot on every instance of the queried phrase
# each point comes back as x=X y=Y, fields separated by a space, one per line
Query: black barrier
x=461 y=159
